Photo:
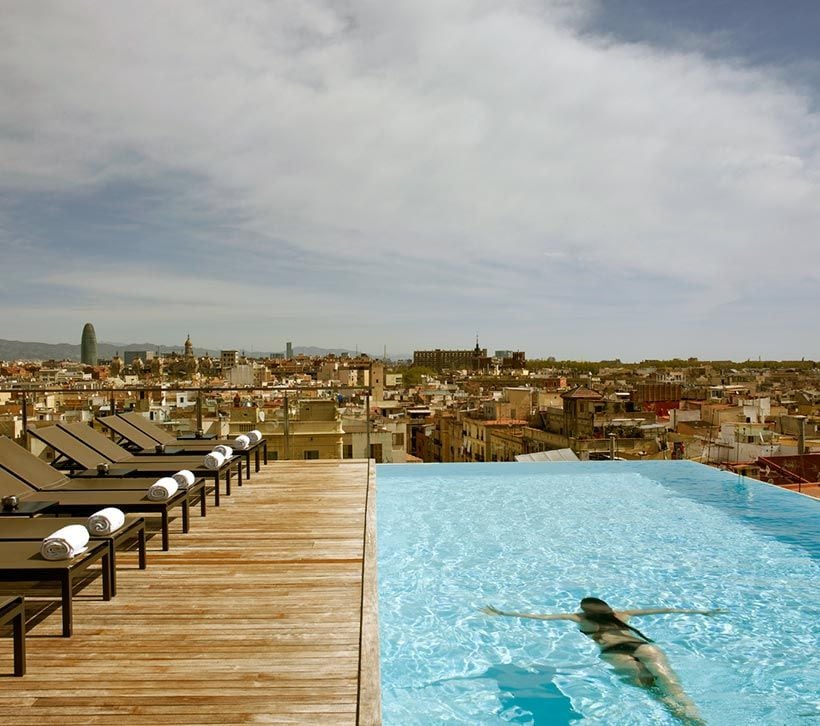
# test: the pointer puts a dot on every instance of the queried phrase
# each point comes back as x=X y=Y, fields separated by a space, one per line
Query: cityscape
x=760 y=419
x=410 y=362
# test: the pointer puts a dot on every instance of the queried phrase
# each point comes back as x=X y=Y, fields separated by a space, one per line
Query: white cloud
x=443 y=130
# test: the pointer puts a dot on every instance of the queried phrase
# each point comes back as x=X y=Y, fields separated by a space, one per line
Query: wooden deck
x=255 y=616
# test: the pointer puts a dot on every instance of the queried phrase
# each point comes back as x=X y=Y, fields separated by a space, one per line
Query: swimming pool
x=539 y=537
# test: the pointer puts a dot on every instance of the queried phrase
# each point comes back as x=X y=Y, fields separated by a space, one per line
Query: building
x=88 y=346
x=229 y=359
x=129 y=356
x=438 y=359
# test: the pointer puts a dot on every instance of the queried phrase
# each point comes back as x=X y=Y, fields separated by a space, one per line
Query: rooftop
x=255 y=615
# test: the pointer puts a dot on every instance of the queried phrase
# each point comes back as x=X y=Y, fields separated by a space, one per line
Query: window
x=398 y=439
x=376 y=452
x=312 y=454
x=348 y=451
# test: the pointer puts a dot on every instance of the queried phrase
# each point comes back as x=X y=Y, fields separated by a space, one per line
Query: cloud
x=415 y=140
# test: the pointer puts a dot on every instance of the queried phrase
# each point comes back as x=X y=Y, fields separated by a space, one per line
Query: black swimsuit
x=628 y=647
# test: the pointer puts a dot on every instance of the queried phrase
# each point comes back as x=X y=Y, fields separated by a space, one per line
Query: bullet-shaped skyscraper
x=88 y=346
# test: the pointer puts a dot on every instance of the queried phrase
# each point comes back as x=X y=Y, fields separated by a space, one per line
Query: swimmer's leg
x=666 y=683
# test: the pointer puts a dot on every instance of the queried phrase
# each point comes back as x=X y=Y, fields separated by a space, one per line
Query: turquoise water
x=539 y=537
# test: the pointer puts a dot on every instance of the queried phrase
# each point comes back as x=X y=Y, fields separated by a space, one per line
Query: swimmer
x=631 y=653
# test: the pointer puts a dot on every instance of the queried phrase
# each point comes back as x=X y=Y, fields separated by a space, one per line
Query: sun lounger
x=37 y=528
x=85 y=503
x=13 y=610
x=22 y=562
x=79 y=456
x=139 y=443
x=38 y=475
x=140 y=422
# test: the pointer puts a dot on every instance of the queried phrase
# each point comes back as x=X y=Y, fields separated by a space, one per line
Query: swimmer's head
x=594 y=606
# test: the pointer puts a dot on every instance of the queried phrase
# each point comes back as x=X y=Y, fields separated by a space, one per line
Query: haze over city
x=631 y=178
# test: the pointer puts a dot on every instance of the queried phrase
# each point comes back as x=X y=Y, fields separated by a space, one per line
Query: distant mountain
x=24 y=350
x=21 y=350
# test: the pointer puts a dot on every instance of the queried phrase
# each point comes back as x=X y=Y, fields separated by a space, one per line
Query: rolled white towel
x=241 y=442
x=65 y=543
x=214 y=460
x=163 y=489
x=184 y=478
x=255 y=436
x=106 y=521
x=226 y=451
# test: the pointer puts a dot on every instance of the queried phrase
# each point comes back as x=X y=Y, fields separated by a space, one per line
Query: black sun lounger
x=86 y=503
x=138 y=421
x=139 y=443
x=41 y=477
x=77 y=455
x=13 y=610
x=22 y=562
x=38 y=528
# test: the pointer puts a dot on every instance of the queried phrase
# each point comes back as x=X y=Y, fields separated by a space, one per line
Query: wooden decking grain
x=255 y=616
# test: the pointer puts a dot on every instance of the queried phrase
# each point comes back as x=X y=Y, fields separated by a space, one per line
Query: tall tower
x=88 y=346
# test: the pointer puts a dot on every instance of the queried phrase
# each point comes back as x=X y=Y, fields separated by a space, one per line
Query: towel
x=106 y=521
x=226 y=451
x=255 y=436
x=162 y=489
x=241 y=442
x=184 y=478
x=214 y=460
x=65 y=543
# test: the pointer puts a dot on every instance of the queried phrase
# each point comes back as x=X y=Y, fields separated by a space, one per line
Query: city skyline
x=586 y=180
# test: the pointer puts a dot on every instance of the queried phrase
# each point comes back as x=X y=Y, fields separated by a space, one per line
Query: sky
x=585 y=179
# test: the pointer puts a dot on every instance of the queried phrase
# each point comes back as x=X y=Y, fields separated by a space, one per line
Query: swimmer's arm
x=490 y=610
x=663 y=611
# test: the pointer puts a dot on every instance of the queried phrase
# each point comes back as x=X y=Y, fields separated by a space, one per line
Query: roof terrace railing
x=28 y=395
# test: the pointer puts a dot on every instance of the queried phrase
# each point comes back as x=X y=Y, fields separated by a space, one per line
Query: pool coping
x=369 y=701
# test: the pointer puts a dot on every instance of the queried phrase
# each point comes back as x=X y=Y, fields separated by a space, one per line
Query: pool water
x=533 y=537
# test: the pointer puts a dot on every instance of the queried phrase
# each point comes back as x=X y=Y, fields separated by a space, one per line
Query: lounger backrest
x=12 y=485
x=26 y=466
x=127 y=431
x=136 y=419
x=97 y=441
x=70 y=447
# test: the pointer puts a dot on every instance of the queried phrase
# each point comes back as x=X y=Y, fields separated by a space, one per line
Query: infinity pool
x=539 y=537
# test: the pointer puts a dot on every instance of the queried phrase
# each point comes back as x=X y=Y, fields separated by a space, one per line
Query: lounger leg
x=166 y=545
x=141 y=547
x=186 y=515
x=203 y=504
x=112 y=559
x=66 y=597
x=19 y=626
x=248 y=465
x=265 y=449
x=216 y=489
x=228 y=480
x=239 y=473
x=107 y=577
x=256 y=459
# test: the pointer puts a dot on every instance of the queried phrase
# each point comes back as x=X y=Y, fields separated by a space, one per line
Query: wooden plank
x=369 y=671
x=254 y=616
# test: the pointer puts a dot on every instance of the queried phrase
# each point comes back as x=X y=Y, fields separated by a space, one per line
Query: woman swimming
x=628 y=650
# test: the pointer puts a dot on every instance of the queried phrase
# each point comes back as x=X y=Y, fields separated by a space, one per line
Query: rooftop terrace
x=264 y=613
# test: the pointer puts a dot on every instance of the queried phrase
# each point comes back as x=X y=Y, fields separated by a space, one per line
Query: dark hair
x=603 y=614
